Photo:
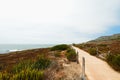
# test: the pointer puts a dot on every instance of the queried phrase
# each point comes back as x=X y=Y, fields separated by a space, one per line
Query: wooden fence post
x=83 y=69
x=77 y=58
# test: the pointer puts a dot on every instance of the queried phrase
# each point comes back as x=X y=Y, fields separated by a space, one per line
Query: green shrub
x=60 y=47
x=22 y=66
x=92 y=51
x=109 y=58
x=114 y=61
x=71 y=55
x=27 y=70
x=29 y=74
x=42 y=63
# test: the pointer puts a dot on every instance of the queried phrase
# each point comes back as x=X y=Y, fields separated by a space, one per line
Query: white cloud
x=55 y=21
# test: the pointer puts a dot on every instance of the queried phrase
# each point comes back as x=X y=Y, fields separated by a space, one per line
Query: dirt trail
x=97 y=69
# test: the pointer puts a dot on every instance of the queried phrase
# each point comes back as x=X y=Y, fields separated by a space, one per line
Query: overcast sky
x=57 y=21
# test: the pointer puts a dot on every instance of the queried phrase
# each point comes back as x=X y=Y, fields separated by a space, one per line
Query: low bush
x=23 y=65
x=114 y=61
x=109 y=57
x=27 y=70
x=60 y=47
x=92 y=51
x=71 y=55
x=41 y=63
x=29 y=74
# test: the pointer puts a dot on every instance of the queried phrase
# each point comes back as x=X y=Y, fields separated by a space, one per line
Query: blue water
x=5 y=48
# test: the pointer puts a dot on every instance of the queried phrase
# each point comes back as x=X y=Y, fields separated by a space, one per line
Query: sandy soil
x=97 y=69
x=72 y=71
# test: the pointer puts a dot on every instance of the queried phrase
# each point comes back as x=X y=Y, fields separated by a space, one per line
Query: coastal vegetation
x=27 y=70
x=60 y=47
x=71 y=55
x=114 y=61
x=106 y=48
x=36 y=64
x=92 y=51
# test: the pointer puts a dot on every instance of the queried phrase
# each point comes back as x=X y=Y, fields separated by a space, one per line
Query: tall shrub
x=71 y=55
x=42 y=63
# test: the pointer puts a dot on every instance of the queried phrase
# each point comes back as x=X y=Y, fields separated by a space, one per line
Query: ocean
x=5 y=48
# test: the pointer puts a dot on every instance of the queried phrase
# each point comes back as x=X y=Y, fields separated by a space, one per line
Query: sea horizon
x=6 y=48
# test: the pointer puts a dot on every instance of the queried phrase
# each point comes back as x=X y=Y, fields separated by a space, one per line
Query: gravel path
x=97 y=69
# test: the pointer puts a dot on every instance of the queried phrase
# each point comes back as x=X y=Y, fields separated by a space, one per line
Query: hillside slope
x=106 y=48
x=107 y=38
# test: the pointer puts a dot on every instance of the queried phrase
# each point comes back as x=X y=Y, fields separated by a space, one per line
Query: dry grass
x=60 y=67
x=10 y=59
